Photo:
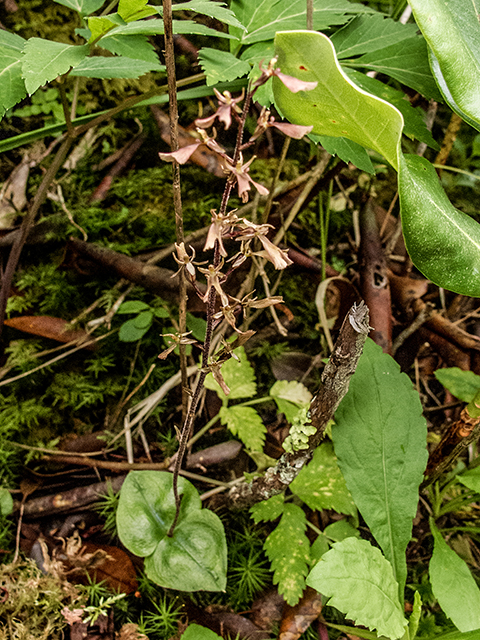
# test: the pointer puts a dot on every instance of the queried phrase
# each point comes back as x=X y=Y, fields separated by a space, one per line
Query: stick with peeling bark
x=335 y=382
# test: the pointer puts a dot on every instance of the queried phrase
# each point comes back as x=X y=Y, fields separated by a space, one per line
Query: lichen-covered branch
x=335 y=382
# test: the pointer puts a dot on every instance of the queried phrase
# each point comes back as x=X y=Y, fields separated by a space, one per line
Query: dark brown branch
x=335 y=382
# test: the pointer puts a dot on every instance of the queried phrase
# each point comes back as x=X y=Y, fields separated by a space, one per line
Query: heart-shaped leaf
x=195 y=557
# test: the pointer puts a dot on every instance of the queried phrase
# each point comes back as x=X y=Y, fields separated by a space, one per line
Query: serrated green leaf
x=360 y=583
x=155 y=27
x=100 y=25
x=406 y=61
x=462 y=384
x=320 y=484
x=195 y=557
x=368 y=33
x=137 y=47
x=452 y=31
x=336 y=107
x=264 y=18
x=239 y=376
x=245 y=423
x=470 y=479
x=130 y=10
x=133 y=306
x=266 y=510
x=217 y=10
x=380 y=440
x=196 y=632
x=118 y=67
x=12 y=84
x=84 y=7
x=220 y=66
x=44 y=60
x=444 y=243
x=6 y=502
x=348 y=151
x=340 y=530
x=453 y=585
x=287 y=548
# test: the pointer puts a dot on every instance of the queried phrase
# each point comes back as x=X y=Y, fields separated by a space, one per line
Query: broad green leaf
x=318 y=548
x=133 y=306
x=336 y=107
x=415 y=616
x=196 y=632
x=471 y=479
x=320 y=484
x=12 y=85
x=239 y=376
x=360 y=583
x=340 y=530
x=266 y=510
x=118 y=67
x=453 y=585
x=44 y=60
x=462 y=384
x=137 y=47
x=100 y=25
x=443 y=242
x=221 y=66
x=348 y=151
x=84 y=7
x=287 y=548
x=6 y=502
x=195 y=557
x=406 y=61
x=130 y=10
x=290 y=396
x=197 y=326
x=130 y=331
x=217 y=10
x=264 y=18
x=452 y=31
x=245 y=423
x=380 y=440
x=368 y=33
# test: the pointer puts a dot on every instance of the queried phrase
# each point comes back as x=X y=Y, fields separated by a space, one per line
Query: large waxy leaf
x=452 y=31
x=361 y=584
x=84 y=7
x=195 y=557
x=336 y=107
x=380 y=440
x=12 y=85
x=453 y=585
x=44 y=60
x=120 y=67
x=321 y=485
x=444 y=243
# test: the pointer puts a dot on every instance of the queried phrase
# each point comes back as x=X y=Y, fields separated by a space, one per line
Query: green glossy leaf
x=336 y=107
x=368 y=33
x=196 y=632
x=471 y=479
x=12 y=84
x=360 y=583
x=380 y=440
x=6 y=502
x=245 y=423
x=462 y=384
x=239 y=376
x=84 y=7
x=130 y=10
x=406 y=61
x=195 y=557
x=44 y=60
x=453 y=585
x=137 y=47
x=133 y=306
x=118 y=67
x=266 y=510
x=217 y=10
x=287 y=548
x=340 y=530
x=444 y=243
x=348 y=151
x=264 y=18
x=320 y=484
x=221 y=66
x=452 y=31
